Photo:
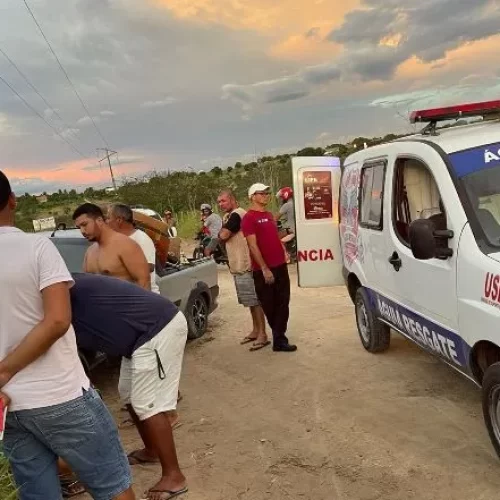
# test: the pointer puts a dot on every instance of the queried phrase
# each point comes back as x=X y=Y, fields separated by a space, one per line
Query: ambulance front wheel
x=491 y=404
x=375 y=335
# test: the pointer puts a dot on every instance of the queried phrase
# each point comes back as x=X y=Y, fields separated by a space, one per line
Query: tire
x=197 y=315
x=491 y=402
x=374 y=335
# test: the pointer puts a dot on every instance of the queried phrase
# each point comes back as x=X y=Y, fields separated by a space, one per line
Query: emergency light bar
x=455 y=112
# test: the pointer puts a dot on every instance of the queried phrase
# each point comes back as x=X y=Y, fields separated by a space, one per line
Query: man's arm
x=135 y=263
x=53 y=279
x=55 y=324
x=231 y=227
x=257 y=256
x=85 y=261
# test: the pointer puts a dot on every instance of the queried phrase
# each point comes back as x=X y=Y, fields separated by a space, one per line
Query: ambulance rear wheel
x=491 y=404
x=375 y=335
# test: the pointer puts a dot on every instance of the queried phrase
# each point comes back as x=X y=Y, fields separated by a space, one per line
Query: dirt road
x=328 y=422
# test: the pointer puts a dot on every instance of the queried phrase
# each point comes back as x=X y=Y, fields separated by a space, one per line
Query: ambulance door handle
x=395 y=260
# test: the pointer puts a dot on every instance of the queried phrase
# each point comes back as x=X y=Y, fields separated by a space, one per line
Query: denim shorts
x=81 y=432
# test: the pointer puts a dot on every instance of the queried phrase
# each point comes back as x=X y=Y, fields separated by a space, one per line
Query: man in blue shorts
x=122 y=319
x=52 y=409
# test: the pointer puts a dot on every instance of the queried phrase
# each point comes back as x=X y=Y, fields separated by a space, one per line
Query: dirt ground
x=328 y=422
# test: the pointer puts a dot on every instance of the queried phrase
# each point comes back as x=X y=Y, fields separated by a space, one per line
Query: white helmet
x=205 y=206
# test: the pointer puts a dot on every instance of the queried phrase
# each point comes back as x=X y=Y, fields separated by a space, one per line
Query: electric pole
x=109 y=153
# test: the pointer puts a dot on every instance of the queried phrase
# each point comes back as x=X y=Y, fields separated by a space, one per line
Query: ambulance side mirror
x=422 y=240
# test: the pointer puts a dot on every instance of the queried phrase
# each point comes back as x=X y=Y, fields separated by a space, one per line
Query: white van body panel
x=478 y=292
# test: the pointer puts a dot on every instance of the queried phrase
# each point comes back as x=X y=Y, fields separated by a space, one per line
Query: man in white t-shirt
x=53 y=410
x=121 y=219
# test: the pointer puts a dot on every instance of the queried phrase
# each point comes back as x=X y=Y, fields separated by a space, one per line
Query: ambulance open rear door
x=316 y=185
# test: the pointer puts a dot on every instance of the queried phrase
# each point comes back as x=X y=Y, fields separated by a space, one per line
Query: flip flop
x=135 y=459
x=166 y=494
x=247 y=340
x=177 y=425
x=71 y=488
x=128 y=422
x=259 y=345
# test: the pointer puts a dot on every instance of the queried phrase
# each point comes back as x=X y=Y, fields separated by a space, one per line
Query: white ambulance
x=413 y=229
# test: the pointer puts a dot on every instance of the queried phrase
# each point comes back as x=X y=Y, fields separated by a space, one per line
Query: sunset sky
x=198 y=83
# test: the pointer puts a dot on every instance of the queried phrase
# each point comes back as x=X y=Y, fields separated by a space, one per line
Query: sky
x=191 y=84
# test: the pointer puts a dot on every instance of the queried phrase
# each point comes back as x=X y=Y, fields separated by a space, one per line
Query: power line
x=32 y=86
x=66 y=74
x=41 y=117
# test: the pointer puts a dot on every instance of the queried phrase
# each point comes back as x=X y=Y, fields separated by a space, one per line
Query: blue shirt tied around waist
x=114 y=316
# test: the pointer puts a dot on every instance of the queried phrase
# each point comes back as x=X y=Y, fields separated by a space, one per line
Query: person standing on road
x=270 y=272
x=112 y=253
x=149 y=333
x=53 y=410
x=121 y=219
x=241 y=268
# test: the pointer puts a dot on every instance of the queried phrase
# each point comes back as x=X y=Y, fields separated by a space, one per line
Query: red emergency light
x=456 y=112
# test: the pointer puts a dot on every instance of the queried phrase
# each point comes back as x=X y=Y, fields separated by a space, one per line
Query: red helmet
x=285 y=193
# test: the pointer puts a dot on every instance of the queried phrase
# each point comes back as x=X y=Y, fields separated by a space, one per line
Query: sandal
x=248 y=339
x=71 y=487
x=259 y=345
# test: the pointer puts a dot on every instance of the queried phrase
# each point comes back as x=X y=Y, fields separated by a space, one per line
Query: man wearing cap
x=270 y=272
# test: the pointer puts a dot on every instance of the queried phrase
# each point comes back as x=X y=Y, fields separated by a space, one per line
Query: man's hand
x=268 y=276
x=4 y=398
x=4 y=378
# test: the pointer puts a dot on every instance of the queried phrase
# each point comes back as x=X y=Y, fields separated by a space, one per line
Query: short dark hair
x=123 y=211
x=89 y=209
x=5 y=190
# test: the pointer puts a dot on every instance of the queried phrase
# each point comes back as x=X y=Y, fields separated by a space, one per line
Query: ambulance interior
x=483 y=189
x=416 y=196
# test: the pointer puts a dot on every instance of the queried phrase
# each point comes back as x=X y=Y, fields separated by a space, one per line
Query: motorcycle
x=290 y=241
x=219 y=254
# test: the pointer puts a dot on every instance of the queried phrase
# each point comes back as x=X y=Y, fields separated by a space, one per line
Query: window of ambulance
x=478 y=170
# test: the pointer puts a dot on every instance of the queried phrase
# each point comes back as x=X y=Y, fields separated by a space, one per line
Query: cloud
x=107 y=113
x=287 y=88
x=376 y=40
x=159 y=104
x=33 y=185
x=86 y=120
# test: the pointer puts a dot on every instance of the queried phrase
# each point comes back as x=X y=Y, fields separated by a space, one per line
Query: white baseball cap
x=257 y=188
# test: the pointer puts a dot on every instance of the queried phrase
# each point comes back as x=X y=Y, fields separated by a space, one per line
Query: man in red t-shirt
x=270 y=272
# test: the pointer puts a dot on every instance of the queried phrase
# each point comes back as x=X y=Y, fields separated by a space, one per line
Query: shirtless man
x=112 y=253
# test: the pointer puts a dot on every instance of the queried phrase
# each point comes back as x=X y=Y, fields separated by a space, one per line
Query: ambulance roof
x=455 y=139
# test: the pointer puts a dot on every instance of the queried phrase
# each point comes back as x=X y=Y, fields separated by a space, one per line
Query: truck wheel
x=491 y=404
x=375 y=335
x=197 y=316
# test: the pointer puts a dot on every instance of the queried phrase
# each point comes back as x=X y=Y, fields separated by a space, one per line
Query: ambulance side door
x=422 y=293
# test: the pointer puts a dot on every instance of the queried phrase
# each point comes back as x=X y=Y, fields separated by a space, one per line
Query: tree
x=309 y=151
x=217 y=171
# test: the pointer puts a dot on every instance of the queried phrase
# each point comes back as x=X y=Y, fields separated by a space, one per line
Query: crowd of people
x=59 y=431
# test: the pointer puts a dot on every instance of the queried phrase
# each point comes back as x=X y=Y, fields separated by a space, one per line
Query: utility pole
x=109 y=153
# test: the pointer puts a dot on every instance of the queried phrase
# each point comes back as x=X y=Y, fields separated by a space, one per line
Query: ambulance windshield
x=479 y=171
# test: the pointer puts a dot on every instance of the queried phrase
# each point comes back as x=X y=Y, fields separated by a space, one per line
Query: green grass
x=7 y=488
x=188 y=224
